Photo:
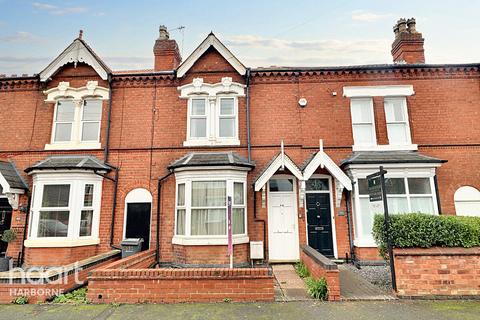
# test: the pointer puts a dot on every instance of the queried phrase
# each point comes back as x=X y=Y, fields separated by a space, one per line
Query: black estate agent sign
x=375 y=189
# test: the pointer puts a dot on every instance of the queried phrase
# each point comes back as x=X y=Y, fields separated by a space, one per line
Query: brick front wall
x=116 y=284
x=434 y=272
x=317 y=271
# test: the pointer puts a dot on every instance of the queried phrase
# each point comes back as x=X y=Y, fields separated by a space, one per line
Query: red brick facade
x=149 y=127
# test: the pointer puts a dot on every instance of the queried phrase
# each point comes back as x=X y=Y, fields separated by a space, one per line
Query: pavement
x=359 y=310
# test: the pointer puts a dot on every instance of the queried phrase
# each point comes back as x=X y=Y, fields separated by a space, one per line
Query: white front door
x=283 y=243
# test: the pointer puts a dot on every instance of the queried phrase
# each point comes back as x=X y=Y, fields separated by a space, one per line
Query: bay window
x=201 y=208
x=65 y=210
x=404 y=195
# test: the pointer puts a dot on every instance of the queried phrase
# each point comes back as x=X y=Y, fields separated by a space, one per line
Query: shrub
x=20 y=300
x=301 y=270
x=425 y=231
x=78 y=296
x=317 y=289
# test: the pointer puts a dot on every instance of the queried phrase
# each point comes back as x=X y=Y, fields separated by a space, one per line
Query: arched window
x=138 y=209
x=467 y=201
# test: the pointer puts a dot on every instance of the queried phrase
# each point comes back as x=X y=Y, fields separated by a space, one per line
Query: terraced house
x=91 y=156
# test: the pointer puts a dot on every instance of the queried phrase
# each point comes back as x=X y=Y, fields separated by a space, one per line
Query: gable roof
x=281 y=159
x=320 y=158
x=210 y=41
x=10 y=177
x=82 y=162
x=77 y=51
x=203 y=159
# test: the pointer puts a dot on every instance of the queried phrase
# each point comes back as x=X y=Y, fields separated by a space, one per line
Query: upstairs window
x=212 y=121
x=76 y=123
x=64 y=119
x=397 y=121
x=363 y=124
x=91 y=116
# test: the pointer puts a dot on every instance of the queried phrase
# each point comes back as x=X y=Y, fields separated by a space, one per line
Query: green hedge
x=425 y=231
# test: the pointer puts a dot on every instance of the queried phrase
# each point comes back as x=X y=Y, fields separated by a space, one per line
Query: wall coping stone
x=319 y=258
x=437 y=251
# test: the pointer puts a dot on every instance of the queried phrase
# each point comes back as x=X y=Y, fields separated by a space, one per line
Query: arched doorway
x=138 y=212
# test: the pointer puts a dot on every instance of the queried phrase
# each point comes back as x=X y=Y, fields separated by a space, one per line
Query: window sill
x=365 y=243
x=200 y=143
x=387 y=147
x=59 y=243
x=73 y=146
x=208 y=241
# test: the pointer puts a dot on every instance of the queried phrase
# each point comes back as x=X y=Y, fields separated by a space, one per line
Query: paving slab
x=289 y=286
x=354 y=287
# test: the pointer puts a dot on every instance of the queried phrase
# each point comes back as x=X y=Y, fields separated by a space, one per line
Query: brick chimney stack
x=166 y=52
x=408 y=44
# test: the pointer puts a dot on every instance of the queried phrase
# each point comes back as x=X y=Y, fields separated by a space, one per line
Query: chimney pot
x=412 y=25
x=402 y=25
x=395 y=30
x=163 y=31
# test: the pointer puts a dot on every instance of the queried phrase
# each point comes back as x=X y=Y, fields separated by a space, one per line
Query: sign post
x=229 y=230
x=378 y=201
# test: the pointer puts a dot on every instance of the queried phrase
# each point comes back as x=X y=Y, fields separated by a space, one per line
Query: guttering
x=109 y=120
x=247 y=98
x=114 y=203
x=159 y=193
x=255 y=219
x=366 y=67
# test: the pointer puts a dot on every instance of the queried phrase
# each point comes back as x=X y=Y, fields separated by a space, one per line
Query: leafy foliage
x=9 y=235
x=301 y=270
x=20 y=300
x=425 y=231
x=78 y=296
x=317 y=289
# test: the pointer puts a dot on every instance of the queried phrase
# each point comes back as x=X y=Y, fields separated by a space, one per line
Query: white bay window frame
x=394 y=171
x=230 y=177
x=77 y=182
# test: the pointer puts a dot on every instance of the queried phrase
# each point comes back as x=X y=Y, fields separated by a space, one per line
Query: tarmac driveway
x=290 y=310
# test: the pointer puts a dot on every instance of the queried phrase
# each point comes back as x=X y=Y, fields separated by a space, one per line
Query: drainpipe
x=259 y=220
x=348 y=196
x=27 y=217
x=247 y=98
x=159 y=192
x=109 y=120
x=114 y=202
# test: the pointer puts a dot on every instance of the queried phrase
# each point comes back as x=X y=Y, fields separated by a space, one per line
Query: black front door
x=138 y=222
x=319 y=221
x=5 y=221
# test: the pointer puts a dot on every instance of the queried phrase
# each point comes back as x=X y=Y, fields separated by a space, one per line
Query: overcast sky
x=259 y=33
